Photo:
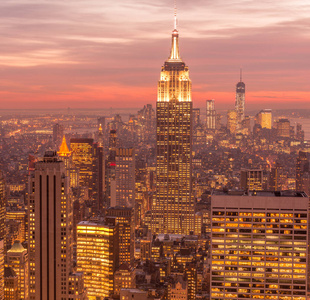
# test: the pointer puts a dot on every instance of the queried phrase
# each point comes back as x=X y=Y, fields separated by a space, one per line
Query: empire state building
x=173 y=207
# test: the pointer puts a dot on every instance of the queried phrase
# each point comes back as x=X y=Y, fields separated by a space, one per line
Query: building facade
x=126 y=226
x=264 y=118
x=210 y=115
x=83 y=160
x=97 y=256
x=259 y=246
x=124 y=177
x=50 y=230
x=173 y=208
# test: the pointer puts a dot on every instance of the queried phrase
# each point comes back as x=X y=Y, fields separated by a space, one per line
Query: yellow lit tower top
x=64 y=150
x=174 y=77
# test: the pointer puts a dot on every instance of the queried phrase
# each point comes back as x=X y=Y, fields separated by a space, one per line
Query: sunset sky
x=99 y=53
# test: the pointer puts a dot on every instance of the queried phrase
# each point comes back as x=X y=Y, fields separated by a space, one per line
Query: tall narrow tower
x=173 y=208
x=50 y=230
x=240 y=100
x=210 y=114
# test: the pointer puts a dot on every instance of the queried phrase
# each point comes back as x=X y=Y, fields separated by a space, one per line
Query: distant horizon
x=98 y=110
x=65 y=53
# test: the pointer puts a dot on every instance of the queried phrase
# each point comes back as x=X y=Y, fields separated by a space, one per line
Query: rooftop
x=261 y=193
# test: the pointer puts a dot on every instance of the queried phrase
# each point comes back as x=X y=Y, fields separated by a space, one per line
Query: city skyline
x=93 y=55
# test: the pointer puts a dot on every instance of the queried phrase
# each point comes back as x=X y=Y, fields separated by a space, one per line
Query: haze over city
x=97 y=54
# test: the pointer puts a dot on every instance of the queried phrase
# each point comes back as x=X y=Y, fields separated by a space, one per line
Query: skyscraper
x=100 y=169
x=210 y=114
x=2 y=233
x=58 y=132
x=125 y=219
x=2 y=207
x=83 y=159
x=125 y=177
x=173 y=208
x=232 y=121
x=97 y=255
x=303 y=172
x=50 y=229
x=264 y=118
x=283 y=127
x=240 y=101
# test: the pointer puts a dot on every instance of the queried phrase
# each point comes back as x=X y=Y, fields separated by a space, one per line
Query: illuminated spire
x=100 y=136
x=64 y=150
x=175 y=15
x=175 y=53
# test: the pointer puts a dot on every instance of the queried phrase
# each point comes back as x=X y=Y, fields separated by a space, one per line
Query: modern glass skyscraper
x=240 y=101
x=173 y=208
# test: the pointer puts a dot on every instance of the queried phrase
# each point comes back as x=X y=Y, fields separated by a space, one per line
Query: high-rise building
x=64 y=153
x=173 y=207
x=264 y=118
x=303 y=172
x=101 y=124
x=252 y=179
x=17 y=259
x=97 y=256
x=72 y=171
x=277 y=178
x=99 y=171
x=58 y=132
x=259 y=245
x=196 y=117
x=246 y=125
x=124 y=177
x=125 y=219
x=232 y=121
x=50 y=229
x=283 y=127
x=110 y=182
x=240 y=101
x=300 y=134
x=2 y=207
x=2 y=233
x=83 y=159
x=191 y=277
x=146 y=117
x=2 y=269
x=210 y=115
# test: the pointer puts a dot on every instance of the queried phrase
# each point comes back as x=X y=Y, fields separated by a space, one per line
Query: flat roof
x=261 y=193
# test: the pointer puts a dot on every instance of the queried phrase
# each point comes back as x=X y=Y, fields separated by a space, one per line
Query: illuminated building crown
x=64 y=150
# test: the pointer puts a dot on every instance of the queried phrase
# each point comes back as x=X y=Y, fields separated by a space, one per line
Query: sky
x=103 y=54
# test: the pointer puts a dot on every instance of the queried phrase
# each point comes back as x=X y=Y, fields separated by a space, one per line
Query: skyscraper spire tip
x=240 y=74
x=175 y=14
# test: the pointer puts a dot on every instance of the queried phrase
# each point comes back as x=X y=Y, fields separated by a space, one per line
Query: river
x=305 y=125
